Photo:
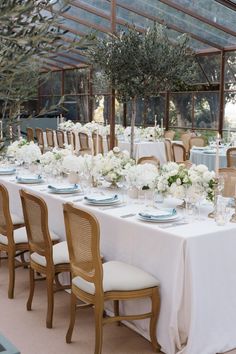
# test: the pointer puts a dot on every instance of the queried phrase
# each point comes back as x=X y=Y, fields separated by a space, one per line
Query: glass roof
x=210 y=24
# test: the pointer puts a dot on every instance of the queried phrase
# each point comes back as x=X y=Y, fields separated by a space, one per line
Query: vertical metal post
x=192 y=113
x=221 y=92
x=113 y=113
x=90 y=103
x=167 y=110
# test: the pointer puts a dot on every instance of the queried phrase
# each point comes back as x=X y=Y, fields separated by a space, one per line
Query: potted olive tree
x=138 y=65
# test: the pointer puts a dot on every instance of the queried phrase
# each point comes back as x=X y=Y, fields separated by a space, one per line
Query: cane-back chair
x=185 y=138
x=97 y=143
x=197 y=141
x=39 y=137
x=169 y=134
x=30 y=134
x=229 y=175
x=149 y=159
x=179 y=152
x=45 y=258
x=94 y=282
x=60 y=139
x=231 y=157
x=71 y=139
x=169 y=151
x=13 y=238
x=50 y=138
x=84 y=144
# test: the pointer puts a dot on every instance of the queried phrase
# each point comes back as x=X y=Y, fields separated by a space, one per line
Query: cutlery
x=173 y=224
x=127 y=215
x=113 y=206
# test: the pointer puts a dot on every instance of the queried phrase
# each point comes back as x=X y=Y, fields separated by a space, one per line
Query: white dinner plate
x=7 y=171
x=159 y=220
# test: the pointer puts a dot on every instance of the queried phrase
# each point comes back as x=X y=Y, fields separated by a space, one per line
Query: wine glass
x=220 y=183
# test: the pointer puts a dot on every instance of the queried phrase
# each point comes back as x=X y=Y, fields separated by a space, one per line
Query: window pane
x=206 y=110
x=77 y=108
x=180 y=110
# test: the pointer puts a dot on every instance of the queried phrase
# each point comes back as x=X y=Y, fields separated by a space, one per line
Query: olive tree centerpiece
x=138 y=65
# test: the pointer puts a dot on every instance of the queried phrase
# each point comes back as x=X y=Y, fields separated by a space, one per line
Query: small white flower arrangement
x=24 y=151
x=203 y=181
x=73 y=163
x=66 y=125
x=52 y=161
x=127 y=133
x=152 y=133
x=15 y=146
x=142 y=176
x=119 y=129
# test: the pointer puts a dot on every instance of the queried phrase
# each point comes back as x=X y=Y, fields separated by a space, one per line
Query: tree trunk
x=133 y=116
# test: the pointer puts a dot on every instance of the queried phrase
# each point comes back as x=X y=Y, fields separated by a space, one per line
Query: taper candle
x=217 y=162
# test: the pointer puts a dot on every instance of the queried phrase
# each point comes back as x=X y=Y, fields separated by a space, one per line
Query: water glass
x=223 y=211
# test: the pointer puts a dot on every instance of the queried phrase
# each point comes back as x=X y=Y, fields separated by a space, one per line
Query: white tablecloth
x=200 y=157
x=146 y=148
x=195 y=263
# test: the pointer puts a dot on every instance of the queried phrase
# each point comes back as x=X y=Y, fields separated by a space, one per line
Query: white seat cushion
x=16 y=219
x=60 y=255
x=20 y=236
x=119 y=276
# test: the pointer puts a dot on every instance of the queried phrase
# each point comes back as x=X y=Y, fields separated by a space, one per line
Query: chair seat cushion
x=119 y=276
x=60 y=255
x=20 y=236
x=16 y=219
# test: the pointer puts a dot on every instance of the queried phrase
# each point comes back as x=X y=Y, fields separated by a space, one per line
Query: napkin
x=63 y=187
x=159 y=214
x=101 y=198
x=29 y=178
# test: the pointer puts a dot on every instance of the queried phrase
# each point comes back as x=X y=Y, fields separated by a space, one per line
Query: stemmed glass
x=220 y=184
x=124 y=186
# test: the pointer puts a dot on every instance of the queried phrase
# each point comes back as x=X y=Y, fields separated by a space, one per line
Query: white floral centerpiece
x=202 y=182
x=142 y=176
x=114 y=164
x=173 y=179
x=66 y=125
x=93 y=126
x=24 y=151
x=15 y=146
x=119 y=129
x=77 y=126
x=52 y=161
x=152 y=133
x=127 y=133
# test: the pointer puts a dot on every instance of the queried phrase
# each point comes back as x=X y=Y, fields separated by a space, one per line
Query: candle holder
x=216 y=193
x=233 y=217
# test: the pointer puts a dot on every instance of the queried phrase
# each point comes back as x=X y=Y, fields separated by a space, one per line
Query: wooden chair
x=179 y=152
x=60 y=139
x=45 y=258
x=84 y=144
x=197 y=141
x=71 y=138
x=229 y=175
x=169 y=151
x=169 y=134
x=39 y=137
x=97 y=145
x=185 y=137
x=109 y=142
x=231 y=157
x=94 y=282
x=13 y=238
x=50 y=138
x=30 y=134
x=149 y=159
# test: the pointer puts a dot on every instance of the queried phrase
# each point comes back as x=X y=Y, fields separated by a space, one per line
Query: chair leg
x=50 y=296
x=154 y=318
x=98 y=311
x=11 y=267
x=116 y=310
x=32 y=285
x=73 y=301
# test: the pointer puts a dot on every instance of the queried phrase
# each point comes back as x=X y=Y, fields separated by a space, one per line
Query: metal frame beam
x=221 y=92
x=230 y=4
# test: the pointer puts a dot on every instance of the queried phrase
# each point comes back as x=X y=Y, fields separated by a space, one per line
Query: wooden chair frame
x=197 y=138
x=12 y=249
x=71 y=138
x=50 y=138
x=44 y=249
x=39 y=137
x=149 y=159
x=228 y=172
x=84 y=141
x=60 y=139
x=169 y=134
x=228 y=152
x=100 y=143
x=97 y=300
x=109 y=142
x=181 y=147
x=30 y=134
x=168 y=149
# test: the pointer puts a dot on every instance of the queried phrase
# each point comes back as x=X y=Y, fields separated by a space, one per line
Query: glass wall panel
x=56 y=82
x=180 y=110
x=76 y=81
x=77 y=108
x=206 y=110
x=230 y=111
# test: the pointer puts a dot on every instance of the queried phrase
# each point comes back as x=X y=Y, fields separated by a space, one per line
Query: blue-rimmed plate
x=29 y=179
x=64 y=189
x=164 y=215
x=7 y=170
x=102 y=199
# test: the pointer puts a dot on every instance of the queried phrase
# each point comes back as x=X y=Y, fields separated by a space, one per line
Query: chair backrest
x=168 y=148
x=169 y=134
x=109 y=142
x=36 y=221
x=30 y=134
x=71 y=138
x=6 y=225
x=179 y=152
x=185 y=137
x=149 y=159
x=39 y=137
x=84 y=141
x=60 y=139
x=229 y=175
x=231 y=157
x=197 y=141
x=83 y=238
x=50 y=138
x=97 y=143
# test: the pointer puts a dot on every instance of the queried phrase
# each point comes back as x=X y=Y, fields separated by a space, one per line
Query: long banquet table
x=195 y=263
x=207 y=157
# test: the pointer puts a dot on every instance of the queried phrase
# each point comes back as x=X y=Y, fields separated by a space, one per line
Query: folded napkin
x=63 y=187
x=101 y=198
x=159 y=214
x=7 y=169
x=29 y=178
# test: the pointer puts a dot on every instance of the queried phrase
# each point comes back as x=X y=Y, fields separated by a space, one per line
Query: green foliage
x=141 y=64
